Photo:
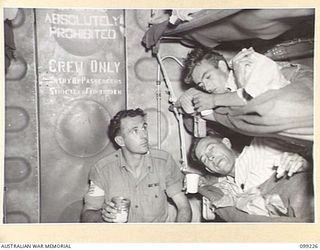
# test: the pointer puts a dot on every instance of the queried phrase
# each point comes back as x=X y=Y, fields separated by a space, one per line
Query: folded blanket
x=227 y=194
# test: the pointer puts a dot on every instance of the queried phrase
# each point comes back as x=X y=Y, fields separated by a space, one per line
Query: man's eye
x=210 y=158
x=203 y=159
x=210 y=148
x=135 y=131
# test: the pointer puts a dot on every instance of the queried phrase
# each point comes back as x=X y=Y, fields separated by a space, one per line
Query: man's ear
x=226 y=142
x=223 y=66
x=119 y=140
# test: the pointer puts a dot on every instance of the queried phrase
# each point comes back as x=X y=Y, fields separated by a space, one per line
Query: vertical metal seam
x=36 y=62
x=4 y=195
x=125 y=57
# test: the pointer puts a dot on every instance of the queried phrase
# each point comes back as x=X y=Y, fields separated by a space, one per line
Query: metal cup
x=122 y=205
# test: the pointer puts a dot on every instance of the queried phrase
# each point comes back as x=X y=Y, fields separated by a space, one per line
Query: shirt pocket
x=155 y=201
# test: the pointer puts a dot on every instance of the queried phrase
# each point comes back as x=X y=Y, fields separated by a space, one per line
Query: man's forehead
x=131 y=122
x=205 y=142
x=202 y=67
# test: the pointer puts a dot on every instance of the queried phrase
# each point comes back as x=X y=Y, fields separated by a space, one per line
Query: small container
x=200 y=126
x=122 y=205
x=192 y=180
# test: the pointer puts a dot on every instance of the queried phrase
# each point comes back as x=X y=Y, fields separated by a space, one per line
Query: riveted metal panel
x=21 y=137
x=81 y=86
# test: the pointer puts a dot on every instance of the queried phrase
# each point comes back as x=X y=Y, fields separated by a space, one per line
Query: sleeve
x=264 y=74
x=95 y=196
x=174 y=177
x=243 y=95
x=287 y=111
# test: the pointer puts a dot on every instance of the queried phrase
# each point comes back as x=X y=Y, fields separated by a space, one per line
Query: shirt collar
x=231 y=83
x=148 y=162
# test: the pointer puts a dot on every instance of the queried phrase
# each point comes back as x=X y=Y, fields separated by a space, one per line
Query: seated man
x=257 y=172
x=261 y=102
x=144 y=176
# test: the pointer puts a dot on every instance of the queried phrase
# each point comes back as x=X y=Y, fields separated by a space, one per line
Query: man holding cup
x=144 y=176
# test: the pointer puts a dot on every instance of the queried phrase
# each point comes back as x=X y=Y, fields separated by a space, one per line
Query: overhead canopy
x=212 y=27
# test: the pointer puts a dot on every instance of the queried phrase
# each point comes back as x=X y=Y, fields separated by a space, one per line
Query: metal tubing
x=172 y=100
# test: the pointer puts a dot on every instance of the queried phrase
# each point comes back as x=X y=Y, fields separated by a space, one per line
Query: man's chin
x=145 y=150
x=224 y=170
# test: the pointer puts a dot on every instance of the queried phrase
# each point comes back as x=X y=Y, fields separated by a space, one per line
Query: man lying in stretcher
x=260 y=184
x=272 y=100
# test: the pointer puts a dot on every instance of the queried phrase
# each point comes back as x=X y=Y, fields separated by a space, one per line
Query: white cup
x=192 y=183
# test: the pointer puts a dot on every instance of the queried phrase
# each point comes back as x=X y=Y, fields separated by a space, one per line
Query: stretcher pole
x=172 y=100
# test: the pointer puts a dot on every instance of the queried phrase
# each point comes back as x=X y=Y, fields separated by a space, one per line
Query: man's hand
x=208 y=180
x=185 y=101
x=239 y=65
x=108 y=212
x=291 y=163
x=203 y=101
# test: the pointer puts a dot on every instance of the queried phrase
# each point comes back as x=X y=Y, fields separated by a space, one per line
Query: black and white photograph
x=197 y=116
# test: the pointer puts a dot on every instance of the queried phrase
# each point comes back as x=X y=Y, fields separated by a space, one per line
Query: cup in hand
x=122 y=206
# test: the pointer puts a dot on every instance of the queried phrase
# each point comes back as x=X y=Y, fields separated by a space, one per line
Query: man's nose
x=209 y=156
x=143 y=133
x=205 y=84
x=202 y=85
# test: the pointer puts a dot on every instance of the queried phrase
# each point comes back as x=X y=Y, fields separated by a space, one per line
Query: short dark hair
x=193 y=148
x=196 y=56
x=115 y=122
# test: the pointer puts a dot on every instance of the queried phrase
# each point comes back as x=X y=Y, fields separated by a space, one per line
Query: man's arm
x=204 y=101
x=275 y=111
x=183 y=206
x=93 y=203
x=91 y=216
x=174 y=179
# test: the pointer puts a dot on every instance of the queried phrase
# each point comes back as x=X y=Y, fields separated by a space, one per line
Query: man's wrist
x=214 y=98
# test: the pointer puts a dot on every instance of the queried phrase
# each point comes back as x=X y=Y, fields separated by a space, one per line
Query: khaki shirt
x=161 y=177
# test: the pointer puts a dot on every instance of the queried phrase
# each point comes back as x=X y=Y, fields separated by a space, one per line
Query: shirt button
x=156 y=196
x=136 y=206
